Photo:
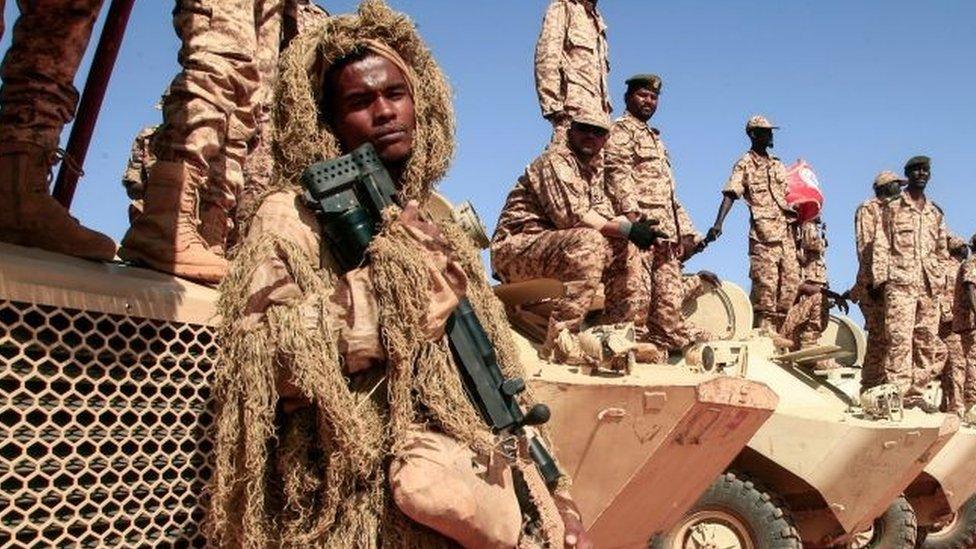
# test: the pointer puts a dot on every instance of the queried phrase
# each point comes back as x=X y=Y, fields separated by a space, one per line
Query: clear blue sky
x=857 y=86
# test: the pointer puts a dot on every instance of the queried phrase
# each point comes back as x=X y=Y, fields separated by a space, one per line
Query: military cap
x=887 y=177
x=760 y=121
x=651 y=81
x=600 y=120
x=917 y=161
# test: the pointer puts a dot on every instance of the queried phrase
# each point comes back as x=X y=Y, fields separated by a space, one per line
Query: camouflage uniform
x=639 y=181
x=773 y=266
x=964 y=324
x=571 y=63
x=909 y=250
x=865 y=220
x=953 y=372
x=136 y=173
x=38 y=96
x=539 y=235
x=211 y=115
x=807 y=319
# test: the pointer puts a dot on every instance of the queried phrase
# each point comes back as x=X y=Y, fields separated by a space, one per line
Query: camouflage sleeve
x=881 y=256
x=548 y=59
x=619 y=169
x=864 y=220
x=968 y=271
x=686 y=227
x=736 y=185
x=132 y=177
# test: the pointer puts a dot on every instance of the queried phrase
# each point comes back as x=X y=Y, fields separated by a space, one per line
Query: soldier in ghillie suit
x=331 y=431
x=887 y=186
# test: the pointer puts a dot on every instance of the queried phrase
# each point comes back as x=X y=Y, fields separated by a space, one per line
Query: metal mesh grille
x=104 y=437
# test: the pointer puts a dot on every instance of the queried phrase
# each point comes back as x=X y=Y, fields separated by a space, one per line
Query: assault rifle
x=348 y=195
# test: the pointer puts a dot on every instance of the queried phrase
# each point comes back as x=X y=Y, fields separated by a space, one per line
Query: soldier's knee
x=586 y=252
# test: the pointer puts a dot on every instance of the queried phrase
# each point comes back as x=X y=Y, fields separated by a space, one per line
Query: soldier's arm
x=881 y=256
x=971 y=294
x=863 y=232
x=733 y=190
x=548 y=59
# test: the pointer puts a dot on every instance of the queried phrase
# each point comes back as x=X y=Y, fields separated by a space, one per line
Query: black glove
x=838 y=300
x=643 y=234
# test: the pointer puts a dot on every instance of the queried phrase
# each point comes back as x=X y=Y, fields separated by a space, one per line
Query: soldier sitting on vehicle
x=557 y=223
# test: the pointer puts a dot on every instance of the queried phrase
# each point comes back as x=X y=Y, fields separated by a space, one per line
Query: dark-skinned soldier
x=760 y=179
x=887 y=186
x=964 y=324
x=557 y=223
x=640 y=184
x=330 y=433
x=908 y=270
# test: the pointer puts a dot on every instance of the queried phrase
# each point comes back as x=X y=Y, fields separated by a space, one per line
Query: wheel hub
x=712 y=529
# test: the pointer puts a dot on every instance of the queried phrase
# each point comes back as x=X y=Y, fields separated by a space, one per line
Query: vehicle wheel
x=960 y=533
x=897 y=528
x=733 y=514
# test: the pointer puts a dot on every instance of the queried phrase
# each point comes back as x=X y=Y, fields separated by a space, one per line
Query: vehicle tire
x=897 y=528
x=733 y=513
x=958 y=534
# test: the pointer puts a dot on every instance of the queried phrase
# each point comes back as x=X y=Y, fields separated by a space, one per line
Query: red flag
x=803 y=190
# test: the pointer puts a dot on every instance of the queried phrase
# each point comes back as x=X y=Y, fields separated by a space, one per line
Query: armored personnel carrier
x=840 y=475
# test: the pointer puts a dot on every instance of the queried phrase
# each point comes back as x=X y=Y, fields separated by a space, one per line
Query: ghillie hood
x=303 y=138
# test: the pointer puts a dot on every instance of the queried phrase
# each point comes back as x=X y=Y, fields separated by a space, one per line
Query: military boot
x=215 y=228
x=165 y=237
x=30 y=216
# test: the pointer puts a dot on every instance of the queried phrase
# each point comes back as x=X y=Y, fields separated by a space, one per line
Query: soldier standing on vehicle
x=640 y=184
x=37 y=99
x=908 y=269
x=964 y=324
x=557 y=223
x=807 y=319
x=354 y=366
x=887 y=186
x=953 y=372
x=136 y=173
x=571 y=64
x=760 y=178
x=210 y=119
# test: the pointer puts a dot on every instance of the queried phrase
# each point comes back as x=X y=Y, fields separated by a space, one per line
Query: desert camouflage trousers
x=958 y=372
x=872 y=371
x=582 y=259
x=216 y=102
x=911 y=329
x=775 y=275
x=38 y=96
x=666 y=325
x=806 y=320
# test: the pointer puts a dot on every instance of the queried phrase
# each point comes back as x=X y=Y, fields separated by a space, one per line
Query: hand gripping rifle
x=348 y=195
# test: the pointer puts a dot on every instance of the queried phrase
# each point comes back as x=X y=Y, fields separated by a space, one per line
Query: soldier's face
x=642 y=103
x=586 y=141
x=372 y=104
x=918 y=175
x=761 y=137
x=889 y=190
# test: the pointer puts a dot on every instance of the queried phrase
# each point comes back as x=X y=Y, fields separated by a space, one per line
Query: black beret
x=918 y=160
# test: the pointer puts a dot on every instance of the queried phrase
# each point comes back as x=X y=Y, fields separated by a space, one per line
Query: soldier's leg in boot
x=36 y=99
x=577 y=257
x=626 y=286
x=666 y=323
x=928 y=349
x=872 y=369
x=900 y=303
x=443 y=485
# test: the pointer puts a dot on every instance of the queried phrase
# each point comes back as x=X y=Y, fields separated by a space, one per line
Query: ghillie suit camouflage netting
x=317 y=477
